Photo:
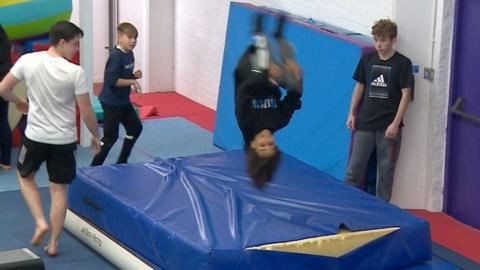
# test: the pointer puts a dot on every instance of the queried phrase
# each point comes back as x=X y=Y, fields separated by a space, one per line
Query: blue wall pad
x=97 y=108
x=316 y=134
x=202 y=212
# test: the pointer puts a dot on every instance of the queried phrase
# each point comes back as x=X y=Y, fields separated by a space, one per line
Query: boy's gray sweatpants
x=364 y=142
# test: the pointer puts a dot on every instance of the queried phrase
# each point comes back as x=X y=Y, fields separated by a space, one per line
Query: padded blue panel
x=316 y=134
x=201 y=212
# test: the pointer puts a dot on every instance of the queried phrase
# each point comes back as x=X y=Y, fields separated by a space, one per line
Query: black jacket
x=5 y=60
x=258 y=103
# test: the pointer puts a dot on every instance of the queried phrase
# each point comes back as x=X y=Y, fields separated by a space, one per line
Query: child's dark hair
x=63 y=30
x=385 y=28
x=128 y=29
x=261 y=169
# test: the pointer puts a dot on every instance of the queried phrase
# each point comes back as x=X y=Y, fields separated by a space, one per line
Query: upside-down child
x=259 y=109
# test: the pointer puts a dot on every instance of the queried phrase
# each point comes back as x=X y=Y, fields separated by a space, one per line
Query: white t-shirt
x=52 y=84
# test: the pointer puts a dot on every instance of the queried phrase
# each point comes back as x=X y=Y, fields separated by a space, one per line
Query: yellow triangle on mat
x=330 y=245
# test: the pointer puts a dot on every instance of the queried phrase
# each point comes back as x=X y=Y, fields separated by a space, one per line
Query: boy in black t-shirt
x=115 y=96
x=383 y=89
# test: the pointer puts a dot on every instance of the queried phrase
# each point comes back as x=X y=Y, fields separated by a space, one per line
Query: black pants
x=112 y=117
x=5 y=134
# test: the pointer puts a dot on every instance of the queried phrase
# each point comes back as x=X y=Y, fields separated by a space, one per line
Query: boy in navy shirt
x=119 y=78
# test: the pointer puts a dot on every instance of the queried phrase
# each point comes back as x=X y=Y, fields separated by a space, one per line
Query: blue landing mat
x=205 y=208
x=17 y=226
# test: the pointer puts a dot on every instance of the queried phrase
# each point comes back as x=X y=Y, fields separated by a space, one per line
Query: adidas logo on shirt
x=379 y=82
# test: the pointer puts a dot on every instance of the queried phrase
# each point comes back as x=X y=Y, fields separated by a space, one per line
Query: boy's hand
x=137 y=87
x=292 y=67
x=273 y=81
x=351 y=122
x=96 y=145
x=392 y=131
x=22 y=106
x=138 y=74
x=274 y=71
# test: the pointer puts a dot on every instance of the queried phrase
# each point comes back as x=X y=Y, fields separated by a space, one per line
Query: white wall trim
x=86 y=56
x=439 y=97
x=146 y=47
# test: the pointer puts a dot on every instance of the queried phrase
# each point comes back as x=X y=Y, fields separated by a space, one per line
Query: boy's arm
x=89 y=118
x=356 y=97
x=392 y=129
x=129 y=82
x=6 y=91
x=125 y=82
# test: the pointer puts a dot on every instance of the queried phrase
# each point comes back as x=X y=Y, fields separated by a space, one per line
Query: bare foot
x=39 y=233
x=51 y=250
x=5 y=167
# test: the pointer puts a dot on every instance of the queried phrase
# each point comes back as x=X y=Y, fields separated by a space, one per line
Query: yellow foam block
x=330 y=245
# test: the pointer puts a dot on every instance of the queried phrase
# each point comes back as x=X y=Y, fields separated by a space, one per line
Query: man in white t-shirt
x=54 y=87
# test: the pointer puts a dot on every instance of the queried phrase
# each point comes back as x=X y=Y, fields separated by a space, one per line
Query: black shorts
x=61 y=160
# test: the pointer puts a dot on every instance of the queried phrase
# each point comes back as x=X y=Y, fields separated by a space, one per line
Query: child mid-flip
x=259 y=109
x=115 y=96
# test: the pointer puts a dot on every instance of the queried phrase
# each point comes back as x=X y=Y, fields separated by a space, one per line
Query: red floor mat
x=171 y=104
x=205 y=120
x=147 y=111
x=453 y=234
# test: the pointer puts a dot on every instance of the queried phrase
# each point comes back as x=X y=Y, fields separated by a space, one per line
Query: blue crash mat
x=202 y=212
